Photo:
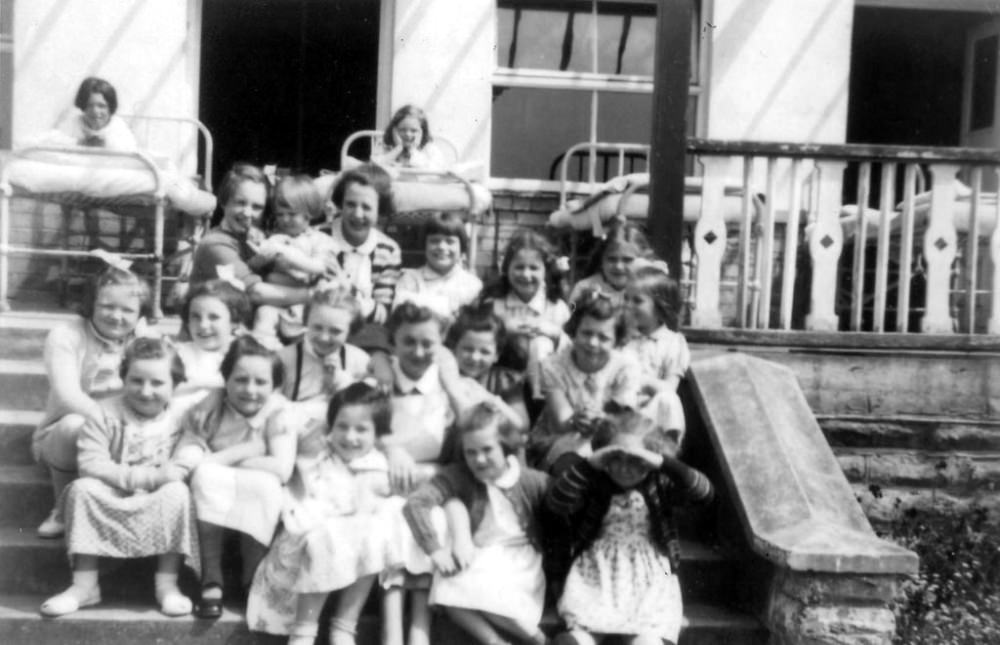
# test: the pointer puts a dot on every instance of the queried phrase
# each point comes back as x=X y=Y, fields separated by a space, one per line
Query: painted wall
x=779 y=70
x=142 y=47
x=442 y=58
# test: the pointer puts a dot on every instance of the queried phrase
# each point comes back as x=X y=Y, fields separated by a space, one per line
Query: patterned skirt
x=105 y=521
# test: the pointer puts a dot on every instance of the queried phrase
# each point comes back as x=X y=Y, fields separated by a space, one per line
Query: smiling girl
x=240 y=448
x=443 y=277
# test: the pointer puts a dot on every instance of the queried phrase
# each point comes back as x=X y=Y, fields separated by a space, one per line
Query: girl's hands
x=444 y=562
x=463 y=552
x=403 y=470
x=600 y=458
x=331 y=372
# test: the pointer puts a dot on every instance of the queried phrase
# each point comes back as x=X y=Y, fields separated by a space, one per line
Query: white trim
x=194 y=26
x=386 y=51
x=979 y=6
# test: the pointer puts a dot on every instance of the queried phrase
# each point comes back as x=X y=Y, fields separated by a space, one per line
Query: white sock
x=85 y=580
x=164 y=583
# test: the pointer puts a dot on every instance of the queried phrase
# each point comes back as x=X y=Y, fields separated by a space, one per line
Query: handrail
x=200 y=127
x=843 y=151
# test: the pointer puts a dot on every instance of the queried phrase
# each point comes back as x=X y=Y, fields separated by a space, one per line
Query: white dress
x=621 y=584
x=505 y=577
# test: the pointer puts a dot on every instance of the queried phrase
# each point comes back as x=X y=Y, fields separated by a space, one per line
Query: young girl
x=324 y=362
x=370 y=259
x=443 y=277
x=581 y=379
x=213 y=312
x=529 y=301
x=335 y=530
x=477 y=338
x=307 y=254
x=240 y=450
x=623 y=577
x=490 y=582
x=82 y=358
x=130 y=501
x=611 y=262
x=652 y=306
x=406 y=140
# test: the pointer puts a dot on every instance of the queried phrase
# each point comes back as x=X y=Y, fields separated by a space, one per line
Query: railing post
x=825 y=245
x=710 y=243
x=939 y=250
x=994 y=325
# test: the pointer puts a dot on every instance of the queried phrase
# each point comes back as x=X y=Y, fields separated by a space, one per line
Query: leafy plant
x=955 y=598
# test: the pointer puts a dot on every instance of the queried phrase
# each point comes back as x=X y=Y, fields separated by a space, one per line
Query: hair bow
x=659 y=265
x=112 y=259
x=227 y=273
x=562 y=264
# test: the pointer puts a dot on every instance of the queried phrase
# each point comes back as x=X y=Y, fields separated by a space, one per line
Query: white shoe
x=52 y=527
x=70 y=601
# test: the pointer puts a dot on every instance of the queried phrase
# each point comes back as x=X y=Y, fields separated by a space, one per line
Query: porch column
x=670 y=97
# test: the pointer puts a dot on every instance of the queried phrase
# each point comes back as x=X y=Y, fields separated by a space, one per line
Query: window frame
x=594 y=83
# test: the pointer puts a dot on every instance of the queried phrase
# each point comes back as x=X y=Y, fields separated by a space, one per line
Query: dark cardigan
x=580 y=497
x=457 y=481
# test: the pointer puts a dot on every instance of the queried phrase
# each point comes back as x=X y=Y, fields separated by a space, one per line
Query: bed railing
x=186 y=143
x=922 y=254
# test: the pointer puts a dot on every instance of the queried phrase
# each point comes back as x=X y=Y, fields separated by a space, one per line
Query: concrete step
x=33 y=565
x=23 y=384
x=16 y=427
x=113 y=623
x=25 y=496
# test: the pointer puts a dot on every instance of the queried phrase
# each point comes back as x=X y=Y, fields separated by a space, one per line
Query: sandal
x=209 y=608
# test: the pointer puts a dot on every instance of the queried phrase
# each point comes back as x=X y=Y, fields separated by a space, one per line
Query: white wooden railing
x=923 y=256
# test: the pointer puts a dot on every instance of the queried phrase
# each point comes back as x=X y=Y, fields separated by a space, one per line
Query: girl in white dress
x=130 y=500
x=239 y=446
x=213 y=312
x=338 y=529
x=625 y=548
x=490 y=581
x=652 y=311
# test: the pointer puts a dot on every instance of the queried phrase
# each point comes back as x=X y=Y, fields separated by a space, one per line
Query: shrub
x=955 y=598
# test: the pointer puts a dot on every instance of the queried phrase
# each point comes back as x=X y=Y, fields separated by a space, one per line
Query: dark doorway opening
x=285 y=81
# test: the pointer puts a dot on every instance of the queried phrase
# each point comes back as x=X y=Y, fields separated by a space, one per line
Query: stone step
x=16 y=427
x=23 y=384
x=33 y=565
x=25 y=496
x=113 y=623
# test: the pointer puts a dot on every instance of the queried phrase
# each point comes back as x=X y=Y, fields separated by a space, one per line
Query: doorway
x=285 y=81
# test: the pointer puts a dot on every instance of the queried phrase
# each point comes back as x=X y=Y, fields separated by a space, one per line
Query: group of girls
x=406 y=428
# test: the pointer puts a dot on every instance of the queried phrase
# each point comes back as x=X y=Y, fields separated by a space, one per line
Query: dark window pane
x=984 y=78
x=532 y=127
x=545 y=36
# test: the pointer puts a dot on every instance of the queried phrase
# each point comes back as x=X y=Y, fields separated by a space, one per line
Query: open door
x=980 y=101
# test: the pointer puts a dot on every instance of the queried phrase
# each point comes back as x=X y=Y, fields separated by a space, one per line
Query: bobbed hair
x=299 y=194
x=664 y=291
x=619 y=233
x=249 y=346
x=94 y=85
x=388 y=137
x=487 y=415
x=477 y=318
x=240 y=172
x=410 y=313
x=592 y=303
x=111 y=277
x=235 y=300
x=445 y=223
x=362 y=393
x=337 y=297
x=144 y=348
x=371 y=175
x=529 y=240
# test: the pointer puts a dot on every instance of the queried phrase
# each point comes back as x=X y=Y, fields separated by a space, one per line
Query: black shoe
x=208 y=608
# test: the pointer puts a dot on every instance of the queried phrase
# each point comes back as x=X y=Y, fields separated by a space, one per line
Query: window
x=572 y=71
x=984 y=79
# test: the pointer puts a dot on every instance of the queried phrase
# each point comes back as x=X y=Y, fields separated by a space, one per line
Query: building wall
x=442 y=58
x=143 y=47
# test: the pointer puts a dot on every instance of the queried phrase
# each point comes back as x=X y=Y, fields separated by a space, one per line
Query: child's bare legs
x=56 y=448
x=344 y=623
x=84 y=591
x=307 y=609
x=172 y=601
x=392 y=616
x=521 y=632
x=476 y=625
x=647 y=639
x=420 y=618
x=576 y=637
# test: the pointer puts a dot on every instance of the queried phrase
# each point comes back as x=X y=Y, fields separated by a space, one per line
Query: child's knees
x=55 y=444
